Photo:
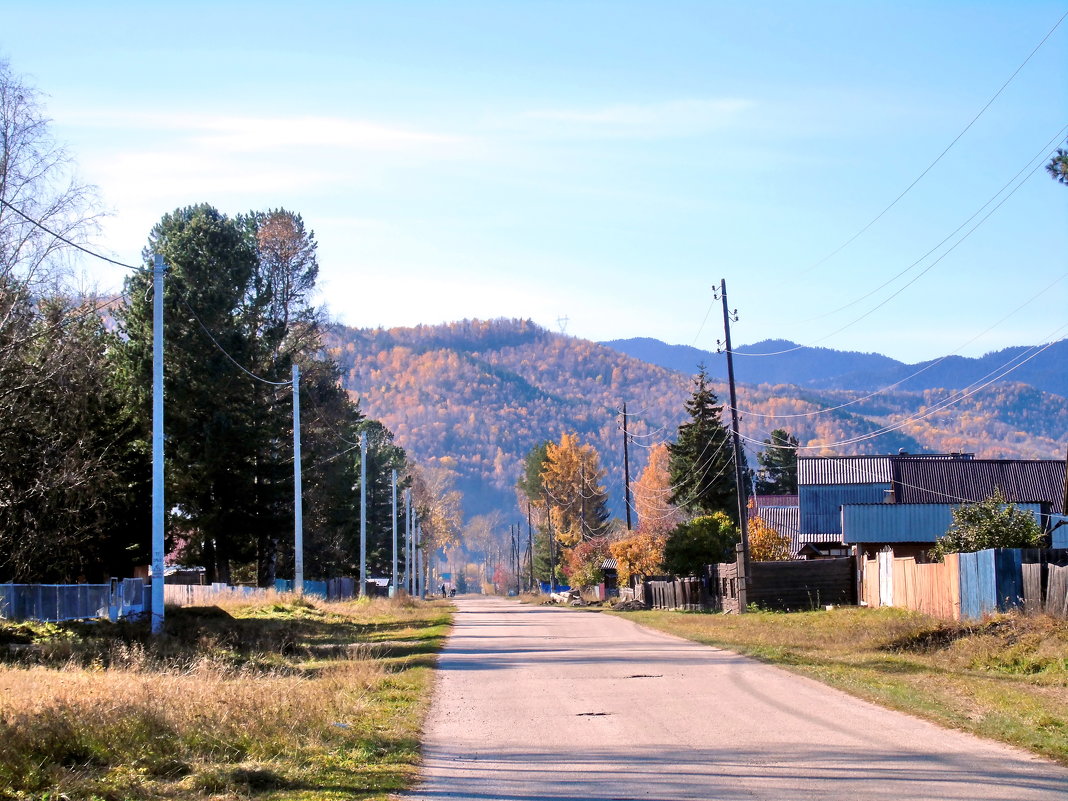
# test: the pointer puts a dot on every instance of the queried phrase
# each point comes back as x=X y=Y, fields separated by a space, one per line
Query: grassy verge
x=288 y=700
x=1006 y=678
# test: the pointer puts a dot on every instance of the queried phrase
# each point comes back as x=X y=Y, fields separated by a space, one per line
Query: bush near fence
x=967 y=586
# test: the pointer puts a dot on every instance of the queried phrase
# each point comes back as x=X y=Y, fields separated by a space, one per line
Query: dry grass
x=265 y=701
x=1005 y=678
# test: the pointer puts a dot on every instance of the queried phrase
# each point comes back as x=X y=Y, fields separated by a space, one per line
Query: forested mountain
x=475 y=396
x=789 y=363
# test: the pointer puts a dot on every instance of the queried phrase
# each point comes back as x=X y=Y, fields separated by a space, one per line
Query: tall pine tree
x=701 y=460
x=777 y=474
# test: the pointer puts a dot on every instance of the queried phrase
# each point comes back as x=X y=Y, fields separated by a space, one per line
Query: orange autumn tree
x=571 y=477
x=652 y=494
x=640 y=554
x=766 y=544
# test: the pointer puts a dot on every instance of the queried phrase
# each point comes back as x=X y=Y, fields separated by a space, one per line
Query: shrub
x=991 y=523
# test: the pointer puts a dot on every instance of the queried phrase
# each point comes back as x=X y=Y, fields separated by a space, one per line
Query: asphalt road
x=547 y=703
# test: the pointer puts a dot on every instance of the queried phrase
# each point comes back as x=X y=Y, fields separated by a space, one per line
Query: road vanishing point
x=537 y=703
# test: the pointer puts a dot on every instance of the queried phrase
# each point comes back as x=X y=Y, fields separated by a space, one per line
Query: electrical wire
x=922 y=370
x=64 y=239
x=967 y=392
x=73 y=318
x=1043 y=155
x=906 y=285
x=907 y=189
x=225 y=353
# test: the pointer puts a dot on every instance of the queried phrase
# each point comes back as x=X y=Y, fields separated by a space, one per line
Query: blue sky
x=607 y=162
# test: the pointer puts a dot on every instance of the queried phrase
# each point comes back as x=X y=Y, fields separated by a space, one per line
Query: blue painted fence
x=992 y=580
x=331 y=590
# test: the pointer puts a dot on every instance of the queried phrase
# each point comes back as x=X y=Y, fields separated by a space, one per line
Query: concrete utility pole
x=626 y=465
x=157 y=444
x=739 y=469
x=530 y=546
x=298 y=494
x=408 y=541
x=393 y=581
x=420 y=579
x=552 y=555
x=363 y=514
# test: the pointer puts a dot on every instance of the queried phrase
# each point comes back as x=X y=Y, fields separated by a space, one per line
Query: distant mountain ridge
x=475 y=396
x=778 y=361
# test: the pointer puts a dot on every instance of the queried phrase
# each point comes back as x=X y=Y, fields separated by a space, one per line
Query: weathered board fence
x=55 y=603
x=970 y=585
x=780 y=586
x=688 y=593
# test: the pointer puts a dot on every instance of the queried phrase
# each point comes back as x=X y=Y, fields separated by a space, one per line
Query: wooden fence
x=782 y=586
x=677 y=593
x=970 y=585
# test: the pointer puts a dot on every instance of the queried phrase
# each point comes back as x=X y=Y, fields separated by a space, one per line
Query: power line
x=908 y=188
x=925 y=368
x=64 y=239
x=1042 y=155
x=962 y=394
x=93 y=310
x=225 y=353
x=913 y=280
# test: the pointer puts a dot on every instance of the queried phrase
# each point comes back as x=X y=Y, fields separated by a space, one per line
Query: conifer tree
x=701 y=461
x=778 y=464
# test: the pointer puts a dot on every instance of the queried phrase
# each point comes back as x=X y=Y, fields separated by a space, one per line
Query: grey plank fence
x=792 y=585
x=56 y=603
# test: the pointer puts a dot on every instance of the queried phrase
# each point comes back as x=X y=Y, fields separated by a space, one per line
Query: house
x=906 y=501
x=782 y=513
x=826 y=484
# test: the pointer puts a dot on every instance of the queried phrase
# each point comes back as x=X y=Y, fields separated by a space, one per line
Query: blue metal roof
x=821 y=505
x=901 y=522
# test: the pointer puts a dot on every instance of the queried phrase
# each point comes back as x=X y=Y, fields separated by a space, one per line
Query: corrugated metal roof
x=815 y=470
x=609 y=564
x=821 y=505
x=898 y=522
x=784 y=519
x=775 y=500
x=946 y=481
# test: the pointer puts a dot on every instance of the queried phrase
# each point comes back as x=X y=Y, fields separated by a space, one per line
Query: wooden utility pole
x=626 y=466
x=739 y=468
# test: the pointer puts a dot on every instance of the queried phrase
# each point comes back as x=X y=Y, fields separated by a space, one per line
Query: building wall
x=821 y=504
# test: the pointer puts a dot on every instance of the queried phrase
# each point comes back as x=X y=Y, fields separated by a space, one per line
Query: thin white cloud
x=236 y=134
x=671 y=118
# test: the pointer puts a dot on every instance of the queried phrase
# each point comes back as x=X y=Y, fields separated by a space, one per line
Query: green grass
x=1005 y=678
x=274 y=701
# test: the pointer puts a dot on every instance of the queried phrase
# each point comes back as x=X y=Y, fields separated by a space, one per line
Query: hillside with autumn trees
x=475 y=396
